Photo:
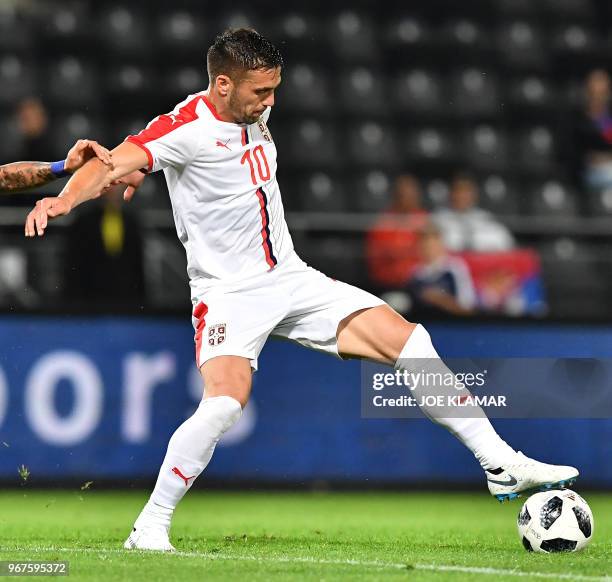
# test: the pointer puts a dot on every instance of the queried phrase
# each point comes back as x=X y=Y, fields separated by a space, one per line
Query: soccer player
x=23 y=175
x=247 y=282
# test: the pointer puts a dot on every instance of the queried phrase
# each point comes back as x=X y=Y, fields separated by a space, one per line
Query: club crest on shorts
x=216 y=334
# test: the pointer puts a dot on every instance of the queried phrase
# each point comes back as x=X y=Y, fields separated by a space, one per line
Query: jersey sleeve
x=170 y=140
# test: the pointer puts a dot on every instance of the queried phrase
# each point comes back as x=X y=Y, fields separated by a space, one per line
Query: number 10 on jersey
x=263 y=170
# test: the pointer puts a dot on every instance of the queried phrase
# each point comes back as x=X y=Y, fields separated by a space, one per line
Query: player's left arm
x=23 y=175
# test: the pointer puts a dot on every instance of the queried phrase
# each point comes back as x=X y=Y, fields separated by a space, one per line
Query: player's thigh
x=228 y=376
x=376 y=333
x=319 y=306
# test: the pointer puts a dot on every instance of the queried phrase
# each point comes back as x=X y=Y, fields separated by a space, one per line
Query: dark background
x=370 y=89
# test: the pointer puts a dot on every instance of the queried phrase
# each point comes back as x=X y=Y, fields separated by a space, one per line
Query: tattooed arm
x=22 y=175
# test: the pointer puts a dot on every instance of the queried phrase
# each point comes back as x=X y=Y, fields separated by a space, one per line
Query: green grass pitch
x=295 y=536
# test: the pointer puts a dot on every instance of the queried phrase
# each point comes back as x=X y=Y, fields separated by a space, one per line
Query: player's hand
x=133 y=181
x=82 y=151
x=45 y=209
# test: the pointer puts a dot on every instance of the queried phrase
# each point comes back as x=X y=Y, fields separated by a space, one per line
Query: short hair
x=238 y=50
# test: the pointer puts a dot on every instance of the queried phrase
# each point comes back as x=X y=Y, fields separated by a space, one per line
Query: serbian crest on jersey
x=264 y=129
x=216 y=334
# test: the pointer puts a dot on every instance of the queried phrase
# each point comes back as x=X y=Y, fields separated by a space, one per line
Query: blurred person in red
x=391 y=244
x=441 y=282
x=467 y=227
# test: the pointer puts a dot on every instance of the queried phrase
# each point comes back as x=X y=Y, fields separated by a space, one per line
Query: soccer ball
x=555 y=521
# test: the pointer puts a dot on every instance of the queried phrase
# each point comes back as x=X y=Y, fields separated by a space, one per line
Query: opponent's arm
x=22 y=175
x=86 y=184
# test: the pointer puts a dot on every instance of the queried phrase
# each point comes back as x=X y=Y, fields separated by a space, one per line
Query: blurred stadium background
x=486 y=120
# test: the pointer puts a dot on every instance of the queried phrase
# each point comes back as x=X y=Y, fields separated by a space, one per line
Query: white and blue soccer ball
x=555 y=521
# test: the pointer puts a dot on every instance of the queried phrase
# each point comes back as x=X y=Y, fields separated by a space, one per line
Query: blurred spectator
x=465 y=226
x=391 y=244
x=592 y=134
x=104 y=261
x=441 y=283
x=33 y=123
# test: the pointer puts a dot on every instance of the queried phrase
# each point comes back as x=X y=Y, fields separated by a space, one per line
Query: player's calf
x=189 y=451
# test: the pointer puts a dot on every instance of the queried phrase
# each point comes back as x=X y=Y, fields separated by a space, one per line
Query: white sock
x=476 y=433
x=189 y=451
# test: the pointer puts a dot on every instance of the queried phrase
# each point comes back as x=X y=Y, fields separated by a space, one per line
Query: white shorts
x=293 y=301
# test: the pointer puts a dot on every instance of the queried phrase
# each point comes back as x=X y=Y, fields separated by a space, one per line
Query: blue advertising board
x=100 y=397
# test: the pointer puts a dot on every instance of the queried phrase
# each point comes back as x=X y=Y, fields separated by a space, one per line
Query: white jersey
x=226 y=201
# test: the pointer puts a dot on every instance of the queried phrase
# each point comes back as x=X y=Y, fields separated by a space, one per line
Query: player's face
x=253 y=93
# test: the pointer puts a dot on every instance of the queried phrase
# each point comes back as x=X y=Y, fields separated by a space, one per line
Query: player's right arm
x=171 y=140
x=88 y=183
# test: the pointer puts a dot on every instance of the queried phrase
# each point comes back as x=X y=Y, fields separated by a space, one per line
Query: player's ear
x=224 y=85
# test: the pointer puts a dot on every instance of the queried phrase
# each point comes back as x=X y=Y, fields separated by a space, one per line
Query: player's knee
x=397 y=334
x=236 y=385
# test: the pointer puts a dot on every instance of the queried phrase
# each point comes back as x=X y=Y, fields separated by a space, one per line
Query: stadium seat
x=132 y=83
x=573 y=271
x=335 y=255
x=498 y=195
x=534 y=150
x=362 y=91
x=72 y=82
x=16 y=31
x=551 y=198
x=475 y=93
x=371 y=143
x=436 y=193
x=569 y=10
x=64 y=26
x=521 y=46
x=304 y=89
x=310 y=143
x=407 y=39
x=321 y=192
x=125 y=127
x=529 y=9
x=183 y=81
x=419 y=92
x=299 y=34
x=533 y=98
x=576 y=48
x=430 y=149
x=370 y=191
x=575 y=38
x=11 y=141
x=600 y=203
x=124 y=31
x=352 y=38
x=485 y=148
x=67 y=128
x=17 y=79
x=463 y=33
x=466 y=39
x=238 y=18
x=180 y=35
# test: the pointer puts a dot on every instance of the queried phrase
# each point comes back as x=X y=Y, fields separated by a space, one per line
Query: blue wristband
x=58 y=169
